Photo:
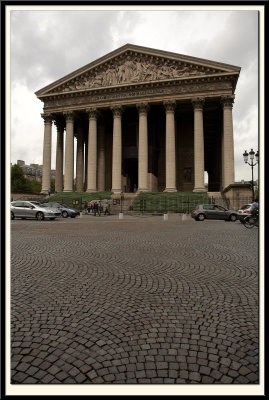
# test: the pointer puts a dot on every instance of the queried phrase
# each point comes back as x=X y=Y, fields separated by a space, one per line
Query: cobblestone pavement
x=98 y=300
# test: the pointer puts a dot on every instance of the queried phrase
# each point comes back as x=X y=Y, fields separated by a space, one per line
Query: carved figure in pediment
x=98 y=80
x=139 y=71
x=125 y=71
x=109 y=78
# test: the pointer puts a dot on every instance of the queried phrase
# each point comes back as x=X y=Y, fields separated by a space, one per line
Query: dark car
x=65 y=211
x=213 y=211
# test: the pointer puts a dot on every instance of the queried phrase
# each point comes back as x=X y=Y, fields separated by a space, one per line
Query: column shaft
x=46 y=169
x=92 y=151
x=101 y=159
x=199 y=185
x=69 y=153
x=170 y=185
x=80 y=161
x=143 y=148
x=116 y=150
x=228 y=142
x=59 y=158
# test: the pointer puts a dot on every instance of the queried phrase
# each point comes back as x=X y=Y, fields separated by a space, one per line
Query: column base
x=116 y=191
x=201 y=189
x=142 y=190
x=170 y=190
x=67 y=190
x=91 y=190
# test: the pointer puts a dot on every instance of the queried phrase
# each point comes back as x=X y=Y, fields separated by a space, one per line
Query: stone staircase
x=126 y=203
x=218 y=198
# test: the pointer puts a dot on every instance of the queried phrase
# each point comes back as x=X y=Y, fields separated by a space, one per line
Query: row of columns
x=95 y=164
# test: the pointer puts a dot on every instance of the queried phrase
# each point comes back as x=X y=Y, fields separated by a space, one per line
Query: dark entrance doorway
x=130 y=170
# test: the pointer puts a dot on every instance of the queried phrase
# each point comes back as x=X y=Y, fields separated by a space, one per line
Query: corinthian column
x=92 y=150
x=116 y=150
x=59 y=157
x=46 y=169
x=199 y=167
x=143 y=147
x=228 y=142
x=170 y=185
x=101 y=158
x=80 y=160
x=69 y=152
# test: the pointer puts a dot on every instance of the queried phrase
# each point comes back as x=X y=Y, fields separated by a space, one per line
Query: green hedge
x=178 y=202
x=68 y=199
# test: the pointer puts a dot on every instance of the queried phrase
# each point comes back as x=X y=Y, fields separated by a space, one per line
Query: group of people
x=96 y=207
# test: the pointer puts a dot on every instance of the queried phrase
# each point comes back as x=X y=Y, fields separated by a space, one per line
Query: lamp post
x=251 y=163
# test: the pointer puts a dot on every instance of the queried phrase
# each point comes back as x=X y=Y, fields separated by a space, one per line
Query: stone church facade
x=142 y=118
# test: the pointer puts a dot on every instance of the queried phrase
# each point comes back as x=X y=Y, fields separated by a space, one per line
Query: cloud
x=47 y=45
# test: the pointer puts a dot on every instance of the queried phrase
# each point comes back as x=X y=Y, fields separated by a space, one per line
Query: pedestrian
x=86 y=208
x=254 y=209
x=134 y=188
x=49 y=191
x=95 y=208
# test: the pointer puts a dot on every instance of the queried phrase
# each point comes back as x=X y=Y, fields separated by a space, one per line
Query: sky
x=46 y=45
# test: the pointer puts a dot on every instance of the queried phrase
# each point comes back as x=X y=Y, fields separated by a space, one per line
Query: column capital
x=170 y=105
x=92 y=112
x=69 y=115
x=198 y=103
x=227 y=101
x=142 y=108
x=47 y=118
x=117 y=111
x=59 y=124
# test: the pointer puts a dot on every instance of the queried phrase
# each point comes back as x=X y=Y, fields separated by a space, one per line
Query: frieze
x=133 y=69
x=105 y=95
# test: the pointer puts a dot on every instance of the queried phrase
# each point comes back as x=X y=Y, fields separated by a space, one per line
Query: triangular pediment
x=132 y=65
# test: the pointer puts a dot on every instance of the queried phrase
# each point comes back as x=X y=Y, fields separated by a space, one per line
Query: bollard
x=120 y=215
x=165 y=217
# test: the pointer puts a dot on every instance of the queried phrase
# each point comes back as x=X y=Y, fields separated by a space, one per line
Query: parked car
x=243 y=212
x=32 y=209
x=213 y=211
x=64 y=210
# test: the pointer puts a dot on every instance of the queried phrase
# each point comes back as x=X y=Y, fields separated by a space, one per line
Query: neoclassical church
x=143 y=118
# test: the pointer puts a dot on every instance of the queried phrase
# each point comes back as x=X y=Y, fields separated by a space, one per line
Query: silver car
x=32 y=209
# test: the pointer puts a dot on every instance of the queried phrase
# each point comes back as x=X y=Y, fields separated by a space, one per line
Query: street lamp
x=251 y=157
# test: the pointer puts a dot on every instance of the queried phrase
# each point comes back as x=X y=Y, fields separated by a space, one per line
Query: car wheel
x=200 y=217
x=12 y=215
x=233 y=218
x=40 y=216
x=64 y=214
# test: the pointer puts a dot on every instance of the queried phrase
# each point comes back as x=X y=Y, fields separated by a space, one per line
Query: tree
x=18 y=181
x=21 y=184
x=36 y=186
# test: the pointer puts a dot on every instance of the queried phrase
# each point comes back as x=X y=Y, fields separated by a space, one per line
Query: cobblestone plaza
x=98 y=300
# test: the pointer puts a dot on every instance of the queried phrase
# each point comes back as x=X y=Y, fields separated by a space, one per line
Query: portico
x=141 y=117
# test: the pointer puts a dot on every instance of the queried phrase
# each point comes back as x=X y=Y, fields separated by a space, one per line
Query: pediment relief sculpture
x=133 y=69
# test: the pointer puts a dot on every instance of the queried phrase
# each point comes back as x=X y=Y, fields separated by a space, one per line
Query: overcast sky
x=47 y=45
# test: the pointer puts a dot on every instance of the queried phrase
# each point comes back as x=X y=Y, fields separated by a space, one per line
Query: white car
x=32 y=209
x=243 y=212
